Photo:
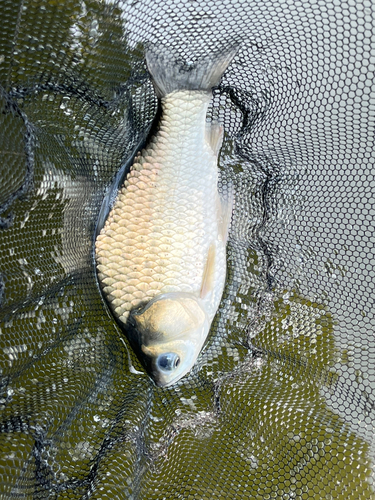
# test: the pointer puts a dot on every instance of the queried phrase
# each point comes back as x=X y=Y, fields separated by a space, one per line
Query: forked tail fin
x=169 y=73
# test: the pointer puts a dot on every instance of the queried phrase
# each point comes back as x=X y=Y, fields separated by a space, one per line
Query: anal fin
x=214 y=136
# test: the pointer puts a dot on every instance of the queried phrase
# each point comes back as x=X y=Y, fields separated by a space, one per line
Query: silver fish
x=161 y=255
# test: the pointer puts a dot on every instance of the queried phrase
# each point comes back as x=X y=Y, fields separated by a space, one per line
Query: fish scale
x=161 y=216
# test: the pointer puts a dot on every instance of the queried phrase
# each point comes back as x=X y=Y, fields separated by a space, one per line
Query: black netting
x=281 y=401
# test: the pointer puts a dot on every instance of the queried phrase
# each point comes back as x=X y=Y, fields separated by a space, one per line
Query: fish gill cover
x=280 y=403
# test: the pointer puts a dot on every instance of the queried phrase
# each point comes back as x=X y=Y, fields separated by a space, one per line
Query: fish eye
x=168 y=361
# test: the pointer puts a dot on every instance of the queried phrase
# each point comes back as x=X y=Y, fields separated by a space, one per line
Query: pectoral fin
x=214 y=136
x=225 y=212
x=209 y=272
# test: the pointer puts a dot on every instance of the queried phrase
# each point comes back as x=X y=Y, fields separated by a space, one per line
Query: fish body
x=161 y=254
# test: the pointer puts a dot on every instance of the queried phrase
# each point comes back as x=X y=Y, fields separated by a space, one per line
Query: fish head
x=169 y=332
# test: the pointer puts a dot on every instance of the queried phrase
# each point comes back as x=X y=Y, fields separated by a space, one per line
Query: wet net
x=280 y=404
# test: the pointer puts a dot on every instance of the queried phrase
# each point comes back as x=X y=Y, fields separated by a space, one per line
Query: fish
x=161 y=253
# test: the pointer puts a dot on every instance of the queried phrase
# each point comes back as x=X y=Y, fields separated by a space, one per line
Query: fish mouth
x=164 y=384
x=165 y=367
x=162 y=378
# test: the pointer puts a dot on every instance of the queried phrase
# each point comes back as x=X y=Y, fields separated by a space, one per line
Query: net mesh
x=281 y=401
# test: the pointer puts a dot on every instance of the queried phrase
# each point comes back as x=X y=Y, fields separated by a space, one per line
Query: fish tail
x=169 y=73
